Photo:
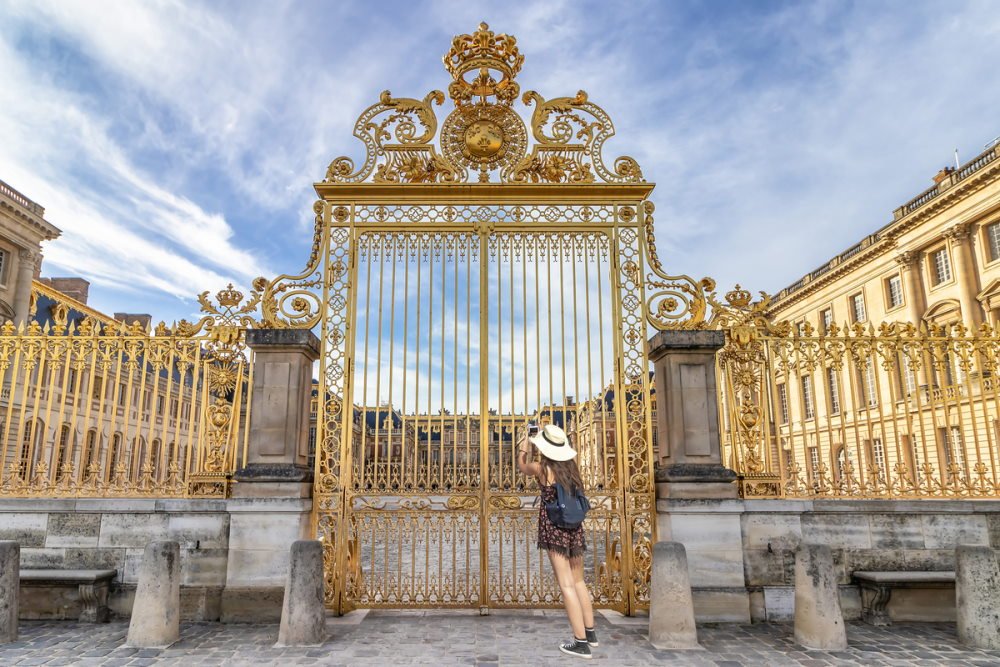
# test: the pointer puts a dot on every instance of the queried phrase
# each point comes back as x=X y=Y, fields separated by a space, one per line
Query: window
x=993 y=240
x=940 y=266
x=843 y=459
x=783 y=403
x=98 y=384
x=954 y=451
x=878 y=457
x=159 y=405
x=71 y=383
x=807 y=397
x=121 y=394
x=25 y=458
x=91 y=451
x=4 y=261
x=831 y=382
x=858 y=307
x=155 y=458
x=866 y=383
x=827 y=319
x=116 y=445
x=907 y=377
x=801 y=328
x=814 y=462
x=894 y=291
x=63 y=446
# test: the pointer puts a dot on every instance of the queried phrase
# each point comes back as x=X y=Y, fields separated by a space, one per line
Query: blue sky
x=175 y=143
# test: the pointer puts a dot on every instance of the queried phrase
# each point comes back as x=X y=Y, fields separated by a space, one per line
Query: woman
x=565 y=547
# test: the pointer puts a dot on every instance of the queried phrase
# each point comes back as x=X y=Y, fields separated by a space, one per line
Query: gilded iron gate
x=454 y=313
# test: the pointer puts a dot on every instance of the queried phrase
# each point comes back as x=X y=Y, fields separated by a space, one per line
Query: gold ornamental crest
x=484 y=134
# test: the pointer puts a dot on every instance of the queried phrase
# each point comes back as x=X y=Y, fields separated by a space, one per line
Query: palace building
x=876 y=385
x=937 y=261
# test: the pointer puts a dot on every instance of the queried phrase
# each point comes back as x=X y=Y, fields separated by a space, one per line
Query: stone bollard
x=156 y=612
x=977 y=597
x=10 y=584
x=819 y=621
x=303 y=615
x=671 y=609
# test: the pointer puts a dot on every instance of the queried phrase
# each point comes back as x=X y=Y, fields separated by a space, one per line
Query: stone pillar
x=10 y=583
x=303 y=615
x=271 y=502
x=688 y=448
x=26 y=264
x=819 y=621
x=156 y=613
x=696 y=500
x=965 y=275
x=671 y=608
x=913 y=290
x=977 y=597
x=278 y=448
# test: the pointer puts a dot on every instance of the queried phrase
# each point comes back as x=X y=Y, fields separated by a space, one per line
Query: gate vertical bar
x=484 y=412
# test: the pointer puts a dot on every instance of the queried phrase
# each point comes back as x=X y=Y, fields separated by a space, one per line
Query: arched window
x=154 y=460
x=113 y=454
x=64 y=446
x=90 y=451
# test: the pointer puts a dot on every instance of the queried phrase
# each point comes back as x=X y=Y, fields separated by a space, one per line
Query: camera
x=532 y=429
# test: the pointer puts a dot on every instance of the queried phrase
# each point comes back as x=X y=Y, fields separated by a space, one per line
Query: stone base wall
x=112 y=533
x=758 y=538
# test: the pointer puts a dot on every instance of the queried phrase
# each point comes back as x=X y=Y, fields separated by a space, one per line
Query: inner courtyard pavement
x=505 y=638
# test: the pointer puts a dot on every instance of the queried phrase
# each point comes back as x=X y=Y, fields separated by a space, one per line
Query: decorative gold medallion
x=484 y=137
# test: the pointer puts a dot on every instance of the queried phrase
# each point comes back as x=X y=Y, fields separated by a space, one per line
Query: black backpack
x=569 y=510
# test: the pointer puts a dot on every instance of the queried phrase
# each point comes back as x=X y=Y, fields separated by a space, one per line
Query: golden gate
x=465 y=289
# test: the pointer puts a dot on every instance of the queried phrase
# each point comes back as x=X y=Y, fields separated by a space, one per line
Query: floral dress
x=569 y=543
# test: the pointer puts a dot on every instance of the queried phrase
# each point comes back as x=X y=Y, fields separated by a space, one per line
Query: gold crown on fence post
x=738 y=297
x=229 y=297
x=483 y=51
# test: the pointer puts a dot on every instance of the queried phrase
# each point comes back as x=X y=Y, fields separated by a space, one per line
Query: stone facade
x=112 y=533
x=742 y=552
x=23 y=228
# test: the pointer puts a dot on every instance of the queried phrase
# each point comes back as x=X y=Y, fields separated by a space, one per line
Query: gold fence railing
x=104 y=409
x=898 y=411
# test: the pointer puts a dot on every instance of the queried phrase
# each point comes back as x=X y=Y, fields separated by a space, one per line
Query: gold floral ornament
x=571 y=132
x=290 y=301
x=673 y=302
x=410 y=158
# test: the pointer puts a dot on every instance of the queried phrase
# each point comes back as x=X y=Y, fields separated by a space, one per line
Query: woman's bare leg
x=564 y=575
x=582 y=592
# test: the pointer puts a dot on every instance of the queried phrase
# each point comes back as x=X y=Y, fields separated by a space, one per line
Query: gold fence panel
x=97 y=409
x=894 y=412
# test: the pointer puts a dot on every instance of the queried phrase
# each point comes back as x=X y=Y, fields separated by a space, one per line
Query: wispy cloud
x=175 y=143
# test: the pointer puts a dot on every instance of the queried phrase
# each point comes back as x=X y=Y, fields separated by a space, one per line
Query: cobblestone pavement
x=503 y=639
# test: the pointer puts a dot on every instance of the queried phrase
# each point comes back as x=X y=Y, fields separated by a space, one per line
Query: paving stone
x=496 y=641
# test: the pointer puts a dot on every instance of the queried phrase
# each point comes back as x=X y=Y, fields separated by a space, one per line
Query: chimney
x=74 y=288
x=131 y=318
x=942 y=175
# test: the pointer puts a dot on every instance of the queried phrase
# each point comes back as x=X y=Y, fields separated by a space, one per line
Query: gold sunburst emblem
x=484 y=137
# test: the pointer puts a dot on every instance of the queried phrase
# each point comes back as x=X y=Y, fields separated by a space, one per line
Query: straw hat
x=553 y=443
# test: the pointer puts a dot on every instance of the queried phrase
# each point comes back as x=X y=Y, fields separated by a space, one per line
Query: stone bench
x=876 y=589
x=66 y=594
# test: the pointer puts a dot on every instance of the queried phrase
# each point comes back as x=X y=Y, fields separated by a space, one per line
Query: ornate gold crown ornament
x=483 y=52
x=483 y=133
